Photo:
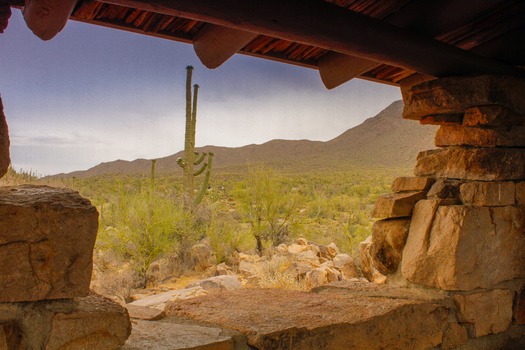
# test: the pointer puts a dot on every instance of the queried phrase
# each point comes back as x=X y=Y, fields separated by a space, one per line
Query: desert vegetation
x=144 y=222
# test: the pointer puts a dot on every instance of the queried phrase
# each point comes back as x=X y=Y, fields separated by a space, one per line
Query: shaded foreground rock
x=92 y=322
x=388 y=241
x=330 y=319
x=149 y=335
x=46 y=243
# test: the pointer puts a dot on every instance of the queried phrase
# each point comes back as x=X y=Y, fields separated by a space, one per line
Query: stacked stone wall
x=459 y=224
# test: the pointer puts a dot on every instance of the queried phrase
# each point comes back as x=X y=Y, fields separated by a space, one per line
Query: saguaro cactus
x=192 y=158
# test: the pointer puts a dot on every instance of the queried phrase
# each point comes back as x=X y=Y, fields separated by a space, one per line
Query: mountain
x=386 y=140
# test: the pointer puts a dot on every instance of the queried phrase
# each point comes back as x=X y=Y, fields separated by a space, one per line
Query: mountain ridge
x=385 y=140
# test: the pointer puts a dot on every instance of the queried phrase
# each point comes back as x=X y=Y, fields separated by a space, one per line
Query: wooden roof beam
x=331 y=27
x=215 y=44
x=336 y=69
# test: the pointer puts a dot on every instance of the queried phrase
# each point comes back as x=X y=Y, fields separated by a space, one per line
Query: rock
x=46 y=243
x=297 y=248
x=454 y=337
x=144 y=313
x=492 y=115
x=518 y=309
x=94 y=323
x=308 y=256
x=333 y=319
x=316 y=277
x=301 y=241
x=347 y=266
x=248 y=269
x=159 y=301
x=454 y=95
x=520 y=193
x=202 y=257
x=149 y=335
x=512 y=339
x=445 y=188
x=464 y=247
x=485 y=312
x=367 y=267
x=5 y=159
x=488 y=193
x=396 y=205
x=388 y=241
x=404 y=184
x=480 y=137
x=217 y=283
x=442 y=119
x=482 y=164
x=222 y=270
x=332 y=250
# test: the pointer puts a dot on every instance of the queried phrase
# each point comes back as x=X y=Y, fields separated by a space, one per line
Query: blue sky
x=94 y=95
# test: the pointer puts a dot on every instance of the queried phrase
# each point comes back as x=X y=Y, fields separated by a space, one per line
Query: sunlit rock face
x=46 y=18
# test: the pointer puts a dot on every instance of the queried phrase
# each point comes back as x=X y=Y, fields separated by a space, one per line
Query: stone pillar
x=459 y=224
x=46 y=247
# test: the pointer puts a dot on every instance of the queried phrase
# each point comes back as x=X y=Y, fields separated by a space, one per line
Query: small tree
x=268 y=207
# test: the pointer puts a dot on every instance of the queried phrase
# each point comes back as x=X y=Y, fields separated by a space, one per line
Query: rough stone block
x=397 y=204
x=454 y=337
x=445 y=189
x=480 y=137
x=492 y=115
x=485 y=312
x=368 y=269
x=46 y=243
x=485 y=164
x=454 y=95
x=388 y=241
x=93 y=322
x=331 y=319
x=464 y=247
x=488 y=193
x=411 y=183
x=5 y=159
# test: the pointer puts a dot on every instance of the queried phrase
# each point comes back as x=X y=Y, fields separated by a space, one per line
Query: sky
x=94 y=94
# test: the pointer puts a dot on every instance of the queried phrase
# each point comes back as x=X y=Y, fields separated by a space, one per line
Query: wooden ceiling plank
x=331 y=27
x=336 y=69
x=215 y=44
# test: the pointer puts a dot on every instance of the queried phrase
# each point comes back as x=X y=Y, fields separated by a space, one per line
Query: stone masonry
x=459 y=225
x=46 y=247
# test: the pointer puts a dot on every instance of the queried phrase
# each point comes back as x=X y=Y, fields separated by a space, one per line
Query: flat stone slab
x=46 y=243
x=149 y=335
x=454 y=135
x=329 y=319
x=396 y=205
x=144 y=313
x=159 y=301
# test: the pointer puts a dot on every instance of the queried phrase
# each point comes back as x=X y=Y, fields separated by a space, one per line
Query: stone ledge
x=480 y=137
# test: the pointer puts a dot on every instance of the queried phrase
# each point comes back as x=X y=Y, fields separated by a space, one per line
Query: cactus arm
x=206 y=180
x=201 y=170
x=200 y=159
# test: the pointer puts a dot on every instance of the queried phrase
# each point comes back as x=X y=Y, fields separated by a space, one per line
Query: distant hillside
x=386 y=140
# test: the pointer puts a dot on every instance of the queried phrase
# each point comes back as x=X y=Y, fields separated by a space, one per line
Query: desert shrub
x=225 y=236
x=278 y=272
x=141 y=226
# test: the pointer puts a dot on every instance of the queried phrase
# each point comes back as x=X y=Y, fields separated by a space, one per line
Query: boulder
x=445 y=189
x=217 y=283
x=316 y=277
x=346 y=264
x=464 y=247
x=481 y=164
x=46 y=243
x=480 y=137
x=411 y=183
x=488 y=193
x=367 y=267
x=454 y=95
x=5 y=159
x=202 y=257
x=295 y=248
x=397 y=204
x=485 y=312
x=388 y=241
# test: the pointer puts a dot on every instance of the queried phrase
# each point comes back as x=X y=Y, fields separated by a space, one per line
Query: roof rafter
x=331 y=27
